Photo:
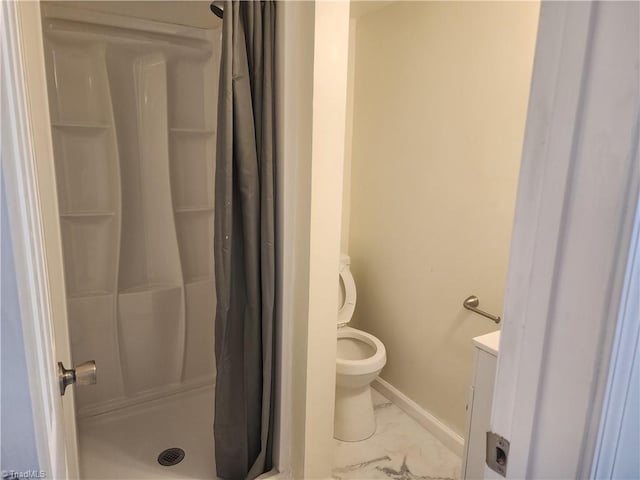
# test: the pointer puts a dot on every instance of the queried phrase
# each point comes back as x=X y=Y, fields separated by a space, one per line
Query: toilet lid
x=347 y=296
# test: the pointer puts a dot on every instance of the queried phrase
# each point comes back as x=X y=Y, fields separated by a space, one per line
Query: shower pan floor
x=125 y=444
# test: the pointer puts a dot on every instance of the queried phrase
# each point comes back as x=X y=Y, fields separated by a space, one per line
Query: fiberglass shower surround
x=133 y=112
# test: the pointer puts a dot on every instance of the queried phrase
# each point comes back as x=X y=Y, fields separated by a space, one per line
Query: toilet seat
x=345 y=312
x=366 y=365
x=360 y=358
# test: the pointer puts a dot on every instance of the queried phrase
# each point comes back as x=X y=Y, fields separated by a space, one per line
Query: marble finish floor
x=401 y=449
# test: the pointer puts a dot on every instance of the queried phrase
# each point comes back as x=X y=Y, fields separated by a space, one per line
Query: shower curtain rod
x=217 y=10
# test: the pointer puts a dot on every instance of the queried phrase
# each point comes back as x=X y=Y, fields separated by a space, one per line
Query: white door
x=573 y=231
x=28 y=169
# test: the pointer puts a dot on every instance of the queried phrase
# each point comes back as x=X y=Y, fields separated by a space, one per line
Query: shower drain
x=171 y=456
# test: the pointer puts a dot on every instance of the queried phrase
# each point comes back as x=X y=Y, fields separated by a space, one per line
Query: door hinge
x=497 y=453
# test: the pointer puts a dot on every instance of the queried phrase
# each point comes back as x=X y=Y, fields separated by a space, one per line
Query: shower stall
x=133 y=120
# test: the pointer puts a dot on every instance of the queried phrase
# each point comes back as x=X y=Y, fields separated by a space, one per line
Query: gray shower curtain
x=245 y=242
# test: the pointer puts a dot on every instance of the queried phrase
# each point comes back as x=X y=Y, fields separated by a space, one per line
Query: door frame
x=33 y=213
x=612 y=448
x=32 y=201
x=576 y=202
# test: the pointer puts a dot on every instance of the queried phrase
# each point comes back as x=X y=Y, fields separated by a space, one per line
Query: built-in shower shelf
x=198 y=279
x=192 y=131
x=87 y=214
x=88 y=293
x=150 y=288
x=80 y=125
x=194 y=209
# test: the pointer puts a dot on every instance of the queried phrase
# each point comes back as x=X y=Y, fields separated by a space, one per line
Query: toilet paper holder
x=472 y=303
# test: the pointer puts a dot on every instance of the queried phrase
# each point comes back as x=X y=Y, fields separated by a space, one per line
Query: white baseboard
x=448 y=437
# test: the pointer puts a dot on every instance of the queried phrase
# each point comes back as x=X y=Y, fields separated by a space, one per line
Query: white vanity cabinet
x=479 y=405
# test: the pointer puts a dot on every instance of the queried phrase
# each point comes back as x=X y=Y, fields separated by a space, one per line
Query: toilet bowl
x=360 y=358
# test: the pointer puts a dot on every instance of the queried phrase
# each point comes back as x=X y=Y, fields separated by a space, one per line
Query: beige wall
x=294 y=92
x=441 y=92
x=330 y=60
x=348 y=141
x=312 y=84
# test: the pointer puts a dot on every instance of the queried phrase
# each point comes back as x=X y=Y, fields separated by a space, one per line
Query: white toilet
x=360 y=358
